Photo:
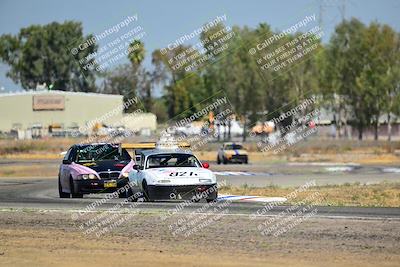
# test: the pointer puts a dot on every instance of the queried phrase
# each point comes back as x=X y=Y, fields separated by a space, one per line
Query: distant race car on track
x=168 y=173
x=93 y=168
x=232 y=152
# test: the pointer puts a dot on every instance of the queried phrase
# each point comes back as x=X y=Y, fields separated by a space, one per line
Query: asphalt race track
x=42 y=193
x=27 y=193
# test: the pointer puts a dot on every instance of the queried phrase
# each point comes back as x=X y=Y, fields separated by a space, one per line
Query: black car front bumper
x=97 y=186
x=182 y=192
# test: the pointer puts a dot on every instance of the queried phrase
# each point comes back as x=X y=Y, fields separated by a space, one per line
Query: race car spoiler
x=138 y=147
x=148 y=145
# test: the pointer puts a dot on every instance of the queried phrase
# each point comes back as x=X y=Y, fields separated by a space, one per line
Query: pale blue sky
x=165 y=21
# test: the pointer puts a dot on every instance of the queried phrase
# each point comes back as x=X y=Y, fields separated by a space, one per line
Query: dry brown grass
x=40 y=146
x=376 y=195
x=48 y=170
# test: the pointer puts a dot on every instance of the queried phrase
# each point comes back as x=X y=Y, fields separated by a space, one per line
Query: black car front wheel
x=60 y=192
x=212 y=197
x=73 y=194
x=130 y=196
x=146 y=194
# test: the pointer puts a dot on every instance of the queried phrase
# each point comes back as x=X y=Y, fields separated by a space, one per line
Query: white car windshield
x=172 y=160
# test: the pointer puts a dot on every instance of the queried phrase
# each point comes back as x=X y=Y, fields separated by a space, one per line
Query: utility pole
x=342 y=10
x=321 y=11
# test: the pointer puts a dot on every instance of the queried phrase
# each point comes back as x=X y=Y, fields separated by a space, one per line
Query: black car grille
x=109 y=175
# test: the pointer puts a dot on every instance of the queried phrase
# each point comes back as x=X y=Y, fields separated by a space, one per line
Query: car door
x=133 y=174
x=140 y=173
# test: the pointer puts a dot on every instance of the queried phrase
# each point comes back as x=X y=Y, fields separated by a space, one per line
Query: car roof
x=164 y=151
x=94 y=144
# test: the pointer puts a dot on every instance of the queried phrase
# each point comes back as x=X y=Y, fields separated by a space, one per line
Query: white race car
x=171 y=175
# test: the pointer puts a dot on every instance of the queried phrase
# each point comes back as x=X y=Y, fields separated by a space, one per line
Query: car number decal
x=183 y=174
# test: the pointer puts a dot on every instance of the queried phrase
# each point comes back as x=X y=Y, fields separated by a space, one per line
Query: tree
x=391 y=78
x=362 y=69
x=131 y=80
x=44 y=54
x=121 y=81
x=345 y=62
x=381 y=71
x=137 y=52
x=234 y=71
x=181 y=86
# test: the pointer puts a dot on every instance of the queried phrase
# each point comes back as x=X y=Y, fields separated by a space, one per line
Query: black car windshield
x=101 y=152
x=172 y=160
x=233 y=147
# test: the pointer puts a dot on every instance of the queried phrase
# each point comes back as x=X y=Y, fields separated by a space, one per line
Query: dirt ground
x=32 y=238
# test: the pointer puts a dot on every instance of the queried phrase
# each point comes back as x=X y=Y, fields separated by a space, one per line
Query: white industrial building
x=49 y=110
